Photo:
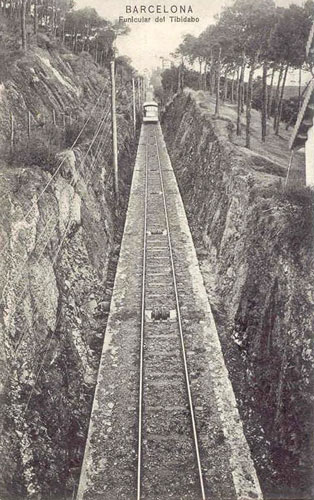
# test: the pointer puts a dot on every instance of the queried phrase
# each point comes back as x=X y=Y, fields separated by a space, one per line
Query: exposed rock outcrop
x=255 y=244
x=59 y=244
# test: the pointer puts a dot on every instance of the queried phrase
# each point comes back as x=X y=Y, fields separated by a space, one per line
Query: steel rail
x=188 y=385
x=140 y=398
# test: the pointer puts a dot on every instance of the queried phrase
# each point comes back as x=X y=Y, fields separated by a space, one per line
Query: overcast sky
x=146 y=43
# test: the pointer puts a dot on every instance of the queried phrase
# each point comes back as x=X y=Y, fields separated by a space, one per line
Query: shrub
x=38 y=150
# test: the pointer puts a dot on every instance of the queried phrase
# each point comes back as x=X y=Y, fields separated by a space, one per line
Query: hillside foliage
x=247 y=35
x=80 y=30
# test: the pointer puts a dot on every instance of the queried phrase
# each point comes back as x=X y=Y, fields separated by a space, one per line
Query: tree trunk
x=200 y=77
x=232 y=88
x=281 y=99
x=264 y=102
x=53 y=16
x=300 y=84
x=75 y=43
x=63 y=31
x=249 y=101
x=211 y=75
x=217 y=105
x=88 y=39
x=23 y=25
x=96 y=51
x=40 y=18
x=238 y=83
x=244 y=94
x=270 y=93
x=277 y=96
x=179 y=78
x=240 y=92
x=35 y=18
x=205 y=76
x=225 y=94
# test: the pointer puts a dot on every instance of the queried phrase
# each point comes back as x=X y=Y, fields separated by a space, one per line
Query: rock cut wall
x=59 y=249
x=255 y=244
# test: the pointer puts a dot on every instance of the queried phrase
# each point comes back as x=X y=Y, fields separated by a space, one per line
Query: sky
x=148 y=42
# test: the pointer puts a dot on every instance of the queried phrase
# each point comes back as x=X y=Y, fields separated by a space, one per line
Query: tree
x=250 y=34
x=251 y=27
x=288 y=42
x=23 y=24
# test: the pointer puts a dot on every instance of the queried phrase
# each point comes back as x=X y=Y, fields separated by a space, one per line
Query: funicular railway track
x=164 y=423
x=169 y=464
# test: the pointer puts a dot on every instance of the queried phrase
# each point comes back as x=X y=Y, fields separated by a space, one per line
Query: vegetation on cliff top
x=246 y=36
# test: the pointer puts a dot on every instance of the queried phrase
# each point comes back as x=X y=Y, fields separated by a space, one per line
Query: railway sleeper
x=160 y=313
x=157 y=231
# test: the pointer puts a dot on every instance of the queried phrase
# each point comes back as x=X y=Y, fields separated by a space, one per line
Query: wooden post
x=12 y=132
x=134 y=105
x=54 y=117
x=114 y=130
x=29 y=116
x=139 y=95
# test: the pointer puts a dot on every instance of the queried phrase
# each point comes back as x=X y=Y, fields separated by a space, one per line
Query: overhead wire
x=96 y=155
x=34 y=203
x=100 y=124
x=42 y=234
x=103 y=138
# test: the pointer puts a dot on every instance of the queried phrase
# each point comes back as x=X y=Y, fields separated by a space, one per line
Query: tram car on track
x=150 y=112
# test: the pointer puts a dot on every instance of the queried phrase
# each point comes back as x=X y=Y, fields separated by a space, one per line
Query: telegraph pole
x=139 y=94
x=29 y=124
x=12 y=133
x=114 y=131
x=134 y=106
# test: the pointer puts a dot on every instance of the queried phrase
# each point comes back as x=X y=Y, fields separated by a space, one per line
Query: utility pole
x=144 y=88
x=114 y=131
x=12 y=133
x=139 y=94
x=134 y=106
x=29 y=124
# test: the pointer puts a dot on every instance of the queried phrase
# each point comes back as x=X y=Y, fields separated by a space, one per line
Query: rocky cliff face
x=59 y=233
x=255 y=246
